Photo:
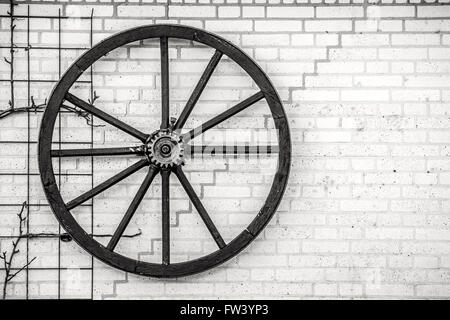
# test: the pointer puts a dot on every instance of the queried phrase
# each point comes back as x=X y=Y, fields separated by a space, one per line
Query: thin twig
x=8 y=261
x=33 y=107
x=67 y=236
x=12 y=26
x=21 y=269
x=38 y=107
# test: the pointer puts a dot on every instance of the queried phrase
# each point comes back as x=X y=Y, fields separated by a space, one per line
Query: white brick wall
x=365 y=87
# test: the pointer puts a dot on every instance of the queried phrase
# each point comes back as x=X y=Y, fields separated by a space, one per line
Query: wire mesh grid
x=23 y=92
x=62 y=269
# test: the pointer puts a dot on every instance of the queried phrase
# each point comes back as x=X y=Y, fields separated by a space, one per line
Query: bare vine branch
x=33 y=107
x=66 y=237
x=12 y=27
x=8 y=259
x=38 y=107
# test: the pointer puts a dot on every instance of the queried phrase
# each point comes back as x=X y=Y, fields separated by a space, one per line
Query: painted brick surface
x=365 y=87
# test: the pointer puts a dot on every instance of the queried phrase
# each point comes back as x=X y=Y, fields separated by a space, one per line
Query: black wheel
x=162 y=151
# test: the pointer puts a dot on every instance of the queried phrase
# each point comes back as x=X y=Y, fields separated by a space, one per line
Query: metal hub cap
x=165 y=149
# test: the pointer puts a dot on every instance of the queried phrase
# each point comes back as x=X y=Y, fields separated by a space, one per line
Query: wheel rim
x=62 y=210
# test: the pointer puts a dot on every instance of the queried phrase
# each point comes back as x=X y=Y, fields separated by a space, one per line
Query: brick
x=302 y=39
x=299 y=274
x=339 y=12
x=189 y=288
x=350 y=289
x=432 y=12
x=415 y=95
x=365 y=39
x=439 y=53
x=427 y=25
x=191 y=11
x=141 y=11
x=390 y=25
x=363 y=205
x=329 y=81
x=353 y=54
x=315 y=95
x=231 y=25
x=389 y=233
x=365 y=95
x=326 y=289
x=278 y=26
x=288 y=289
x=378 y=81
x=325 y=246
x=266 y=53
x=289 y=67
x=265 y=261
x=39 y=9
x=328 y=25
x=403 y=54
x=253 y=12
x=433 y=290
x=85 y=10
x=390 y=11
x=327 y=39
x=312 y=261
x=290 y=12
x=265 y=39
x=327 y=136
x=340 y=67
x=389 y=290
x=415 y=39
x=229 y=12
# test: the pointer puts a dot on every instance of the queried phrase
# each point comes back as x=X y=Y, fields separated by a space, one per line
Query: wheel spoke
x=200 y=208
x=232 y=150
x=164 y=47
x=97 y=152
x=223 y=116
x=107 y=184
x=133 y=207
x=198 y=90
x=165 y=176
x=106 y=117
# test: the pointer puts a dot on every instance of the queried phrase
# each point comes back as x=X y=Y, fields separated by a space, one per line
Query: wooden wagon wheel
x=161 y=152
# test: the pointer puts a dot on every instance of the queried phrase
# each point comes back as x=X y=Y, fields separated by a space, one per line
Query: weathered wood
x=152 y=172
x=190 y=104
x=107 y=184
x=223 y=116
x=63 y=153
x=200 y=208
x=165 y=176
x=165 y=112
x=60 y=93
x=106 y=117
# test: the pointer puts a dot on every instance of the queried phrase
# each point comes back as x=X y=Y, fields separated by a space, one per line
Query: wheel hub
x=165 y=149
